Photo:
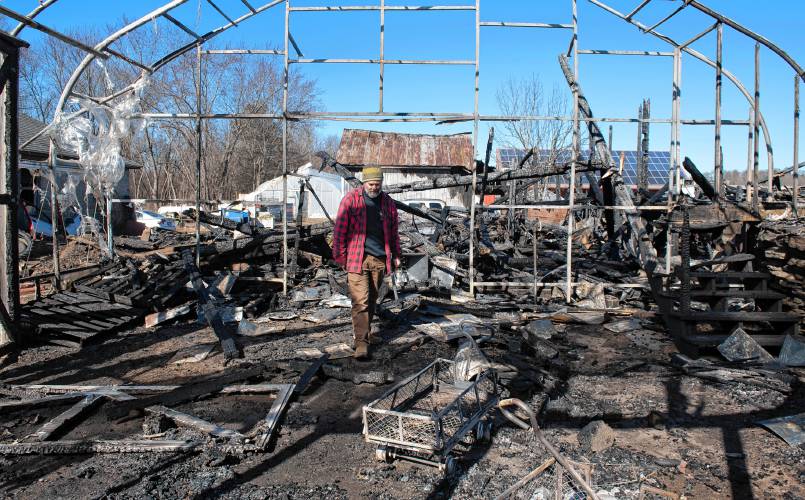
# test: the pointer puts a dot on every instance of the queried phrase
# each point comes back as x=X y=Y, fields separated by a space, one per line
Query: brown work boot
x=361 y=350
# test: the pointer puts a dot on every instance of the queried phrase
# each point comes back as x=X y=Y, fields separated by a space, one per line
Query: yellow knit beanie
x=372 y=174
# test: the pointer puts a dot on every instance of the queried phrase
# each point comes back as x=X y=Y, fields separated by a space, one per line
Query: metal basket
x=430 y=411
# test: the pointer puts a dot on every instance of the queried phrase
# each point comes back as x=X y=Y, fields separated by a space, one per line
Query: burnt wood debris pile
x=733 y=291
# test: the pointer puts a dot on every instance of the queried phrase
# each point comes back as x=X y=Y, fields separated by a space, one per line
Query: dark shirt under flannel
x=349 y=234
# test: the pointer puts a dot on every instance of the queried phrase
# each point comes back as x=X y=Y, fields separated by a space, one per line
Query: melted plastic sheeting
x=96 y=136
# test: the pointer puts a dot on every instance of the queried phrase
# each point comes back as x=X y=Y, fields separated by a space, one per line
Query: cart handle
x=542 y=439
x=514 y=418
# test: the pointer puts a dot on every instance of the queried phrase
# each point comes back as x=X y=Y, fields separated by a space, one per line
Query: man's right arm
x=340 y=233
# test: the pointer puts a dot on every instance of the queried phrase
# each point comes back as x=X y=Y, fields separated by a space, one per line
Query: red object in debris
x=489 y=199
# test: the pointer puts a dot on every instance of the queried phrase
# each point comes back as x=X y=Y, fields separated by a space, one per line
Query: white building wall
x=444 y=194
x=330 y=189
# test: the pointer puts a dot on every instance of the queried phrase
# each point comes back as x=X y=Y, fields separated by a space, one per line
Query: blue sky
x=614 y=85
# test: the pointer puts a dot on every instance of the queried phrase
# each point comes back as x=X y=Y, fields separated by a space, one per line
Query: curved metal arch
x=68 y=88
x=162 y=61
x=698 y=55
x=751 y=34
x=212 y=34
x=32 y=14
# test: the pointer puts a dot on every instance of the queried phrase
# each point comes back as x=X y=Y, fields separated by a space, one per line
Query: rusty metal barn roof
x=388 y=149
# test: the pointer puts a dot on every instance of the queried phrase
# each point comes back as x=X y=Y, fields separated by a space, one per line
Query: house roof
x=388 y=149
x=38 y=149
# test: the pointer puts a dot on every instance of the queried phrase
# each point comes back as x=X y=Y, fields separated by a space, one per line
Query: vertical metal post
x=512 y=196
x=717 y=160
x=474 y=146
x=54 y=233
x=574 y=158
x=285 y=154
x=750 y=171
x=382 y=49
x=796 y=145
x=669 y=235
x=639 y=148
x=756 y=142
x=677 y=121
x=536 y=261
x=610 y=142
x=198 y=154
x=110 y=241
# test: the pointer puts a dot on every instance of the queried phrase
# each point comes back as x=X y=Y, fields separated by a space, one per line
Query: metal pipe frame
x=574 y=158
x=347 y=8
x=414 y=117
x=285 y=151
x=796 y=146
x=756 y=120
x=718 y=160
x=731 y=77
x=756 y=142
x=198 y=154
x=50 y=31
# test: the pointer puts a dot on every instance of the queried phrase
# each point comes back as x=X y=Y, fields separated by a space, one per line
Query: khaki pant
x=363 y=289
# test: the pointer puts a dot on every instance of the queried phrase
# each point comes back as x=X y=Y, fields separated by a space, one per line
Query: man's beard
x=373 y=195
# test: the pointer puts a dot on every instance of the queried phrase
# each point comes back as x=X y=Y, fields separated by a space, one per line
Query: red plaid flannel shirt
x=349 y=234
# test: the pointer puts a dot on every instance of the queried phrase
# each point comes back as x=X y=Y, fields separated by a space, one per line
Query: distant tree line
x=237 y=154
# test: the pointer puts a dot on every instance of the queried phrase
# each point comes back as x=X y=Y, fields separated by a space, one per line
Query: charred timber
x=640 y=239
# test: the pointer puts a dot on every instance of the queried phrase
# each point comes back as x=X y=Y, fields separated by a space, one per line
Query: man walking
x=366 y=243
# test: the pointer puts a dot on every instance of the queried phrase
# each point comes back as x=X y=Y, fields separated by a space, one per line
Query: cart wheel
x=448 y=467
x=382 y=453
x=483 y=431
x=488 y=428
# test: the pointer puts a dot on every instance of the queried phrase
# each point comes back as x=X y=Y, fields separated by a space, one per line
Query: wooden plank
x=103 y=389
x=211 y=314
x=65 y=419
x=183 y=393
x=183 y=419
x=730 y=274
x=163 y=316
x=40 y=402
x=714 y=340
x=98 y=446
x=272 y=420
x=110 y=297
x=749 y=317
x=306 y=377
x=61 y=314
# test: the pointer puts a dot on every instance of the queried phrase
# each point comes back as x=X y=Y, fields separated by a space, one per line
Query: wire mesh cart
x=425 y=416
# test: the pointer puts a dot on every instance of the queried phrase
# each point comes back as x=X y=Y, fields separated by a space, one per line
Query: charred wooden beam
x=699 y=179
x=641 y=240
x=211 y=313
x=446 y=181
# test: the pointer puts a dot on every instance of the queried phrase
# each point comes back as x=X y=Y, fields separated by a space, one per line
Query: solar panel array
x=658 y=162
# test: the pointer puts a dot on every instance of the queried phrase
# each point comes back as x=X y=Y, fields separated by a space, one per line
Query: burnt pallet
x=76 y=318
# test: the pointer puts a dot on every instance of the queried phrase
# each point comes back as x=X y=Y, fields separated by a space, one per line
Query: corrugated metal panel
x=365 y=147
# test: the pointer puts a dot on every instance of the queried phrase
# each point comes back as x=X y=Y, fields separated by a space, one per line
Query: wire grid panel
x=553 y=484
x=618 y=480
x=427 y=410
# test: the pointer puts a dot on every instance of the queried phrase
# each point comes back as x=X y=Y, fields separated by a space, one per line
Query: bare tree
x=237 y=155
x=528 y=97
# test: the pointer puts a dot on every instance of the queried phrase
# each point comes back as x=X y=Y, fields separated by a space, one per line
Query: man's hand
x=397 y=262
